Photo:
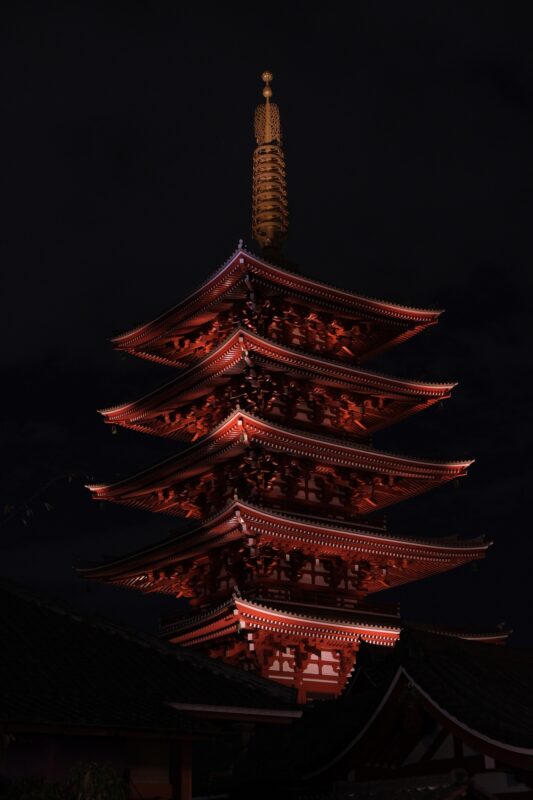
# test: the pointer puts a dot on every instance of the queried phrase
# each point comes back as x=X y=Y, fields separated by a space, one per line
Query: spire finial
x=267 y=77
x=270 y=215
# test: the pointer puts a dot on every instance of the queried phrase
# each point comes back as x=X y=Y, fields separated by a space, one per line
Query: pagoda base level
x=312 y=649
x=316 y=668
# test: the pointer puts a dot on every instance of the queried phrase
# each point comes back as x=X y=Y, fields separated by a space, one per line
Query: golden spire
x=270 y=212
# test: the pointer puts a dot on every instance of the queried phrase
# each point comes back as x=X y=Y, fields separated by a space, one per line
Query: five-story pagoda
x=279 y=475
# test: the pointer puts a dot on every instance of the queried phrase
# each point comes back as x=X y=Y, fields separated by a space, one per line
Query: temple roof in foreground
x=105 y=676
x=482 y=692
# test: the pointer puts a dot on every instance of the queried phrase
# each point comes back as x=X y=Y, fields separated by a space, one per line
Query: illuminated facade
x=278 y=477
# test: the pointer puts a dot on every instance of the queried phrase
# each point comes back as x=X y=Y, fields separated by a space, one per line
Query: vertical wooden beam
x=180 y=770
x=174 y=769
x=186 y=770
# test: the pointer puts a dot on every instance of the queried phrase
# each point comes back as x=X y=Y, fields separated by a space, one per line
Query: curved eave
x=242 y=261
x=201 y=627
x=506 y=751
x=487 y=637
x=231 y=352
x=249 y=511
x=256 y=609
x=238 y=518
x=243 y=426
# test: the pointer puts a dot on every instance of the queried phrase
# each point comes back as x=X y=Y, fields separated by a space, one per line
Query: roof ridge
x=313 y=437
x=209 y=278
x=298 y=351
x=203 y=614
x=339 y=441
x=340 y=525
x=167 y=540
x=337 y=362
x=258 y=604
x=326 y=285
x=237 y=597
x=232 y=505
x=290 y=274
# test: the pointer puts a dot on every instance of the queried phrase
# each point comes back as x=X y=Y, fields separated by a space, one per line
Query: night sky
x=126 y=176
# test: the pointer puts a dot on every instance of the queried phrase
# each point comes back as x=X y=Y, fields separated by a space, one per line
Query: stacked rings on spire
x=270 y=211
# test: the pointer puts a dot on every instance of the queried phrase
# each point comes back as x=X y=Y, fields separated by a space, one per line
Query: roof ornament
x=270 y=212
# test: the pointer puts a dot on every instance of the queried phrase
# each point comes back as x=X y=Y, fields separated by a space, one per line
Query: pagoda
x=278 y=476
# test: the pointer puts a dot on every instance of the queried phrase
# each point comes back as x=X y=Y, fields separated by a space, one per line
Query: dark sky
x=126 y=178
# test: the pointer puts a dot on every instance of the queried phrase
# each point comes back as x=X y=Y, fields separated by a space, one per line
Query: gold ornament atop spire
x=270 y=213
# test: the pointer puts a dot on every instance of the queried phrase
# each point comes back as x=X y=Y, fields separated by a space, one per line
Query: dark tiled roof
x=486 y=687
x=60 y=667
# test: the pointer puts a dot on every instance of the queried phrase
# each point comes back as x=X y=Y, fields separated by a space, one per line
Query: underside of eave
x=421 y=569
x=218 y=621
x=239 y=423
x=130 y=565
x=237 y=265
x=329 y=371
x=226 y=526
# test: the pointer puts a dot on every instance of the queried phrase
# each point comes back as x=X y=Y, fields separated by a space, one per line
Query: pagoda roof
x=196 y=307
x=289 y=618
x=428 y=556
x=241 y=428
x=229 y=355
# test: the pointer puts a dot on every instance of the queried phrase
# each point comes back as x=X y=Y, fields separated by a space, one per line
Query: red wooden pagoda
x=279 y=476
